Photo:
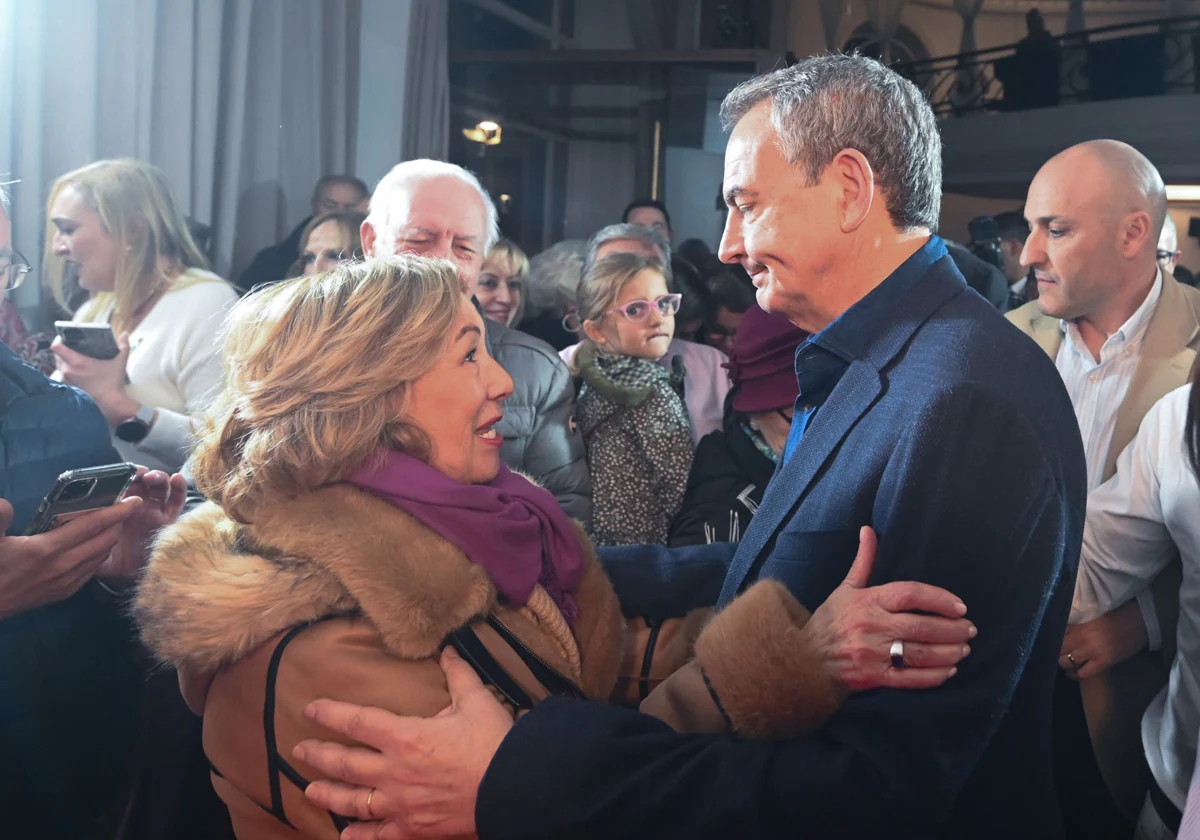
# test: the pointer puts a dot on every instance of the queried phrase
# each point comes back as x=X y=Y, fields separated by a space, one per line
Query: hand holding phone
x=81 y=491
x=50 y=567
x=96 y=341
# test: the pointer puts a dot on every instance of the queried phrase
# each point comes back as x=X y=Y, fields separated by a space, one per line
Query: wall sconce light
x=505 y=202
x=487 y=133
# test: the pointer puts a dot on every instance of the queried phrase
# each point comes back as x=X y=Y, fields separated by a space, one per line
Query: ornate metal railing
x=1150 y=58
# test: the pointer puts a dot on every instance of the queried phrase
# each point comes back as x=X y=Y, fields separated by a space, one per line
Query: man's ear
x=367 y=234
x=854 y=182
x=1135 y=232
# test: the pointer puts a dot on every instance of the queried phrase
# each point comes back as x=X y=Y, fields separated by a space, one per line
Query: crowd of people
x=844 y=529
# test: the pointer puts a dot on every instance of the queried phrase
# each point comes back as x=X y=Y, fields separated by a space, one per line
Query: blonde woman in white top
x=115 y=226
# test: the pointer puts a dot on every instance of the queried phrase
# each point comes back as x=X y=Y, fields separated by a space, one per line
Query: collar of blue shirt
x=824 y=357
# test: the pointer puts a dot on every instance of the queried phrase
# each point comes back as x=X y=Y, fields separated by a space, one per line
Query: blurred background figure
x=732 y=466
x=501 y=287
x=553 y=282
x=329 y=240
x=651 y=213
x=1168 y=253
x=732 y=298
x=117 y=239
x=1014 y=230
x=32 y=349
x=333 y=194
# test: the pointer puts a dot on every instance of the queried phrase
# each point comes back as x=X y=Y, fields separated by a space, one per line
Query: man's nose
x=1033 y=253
x=731 y=247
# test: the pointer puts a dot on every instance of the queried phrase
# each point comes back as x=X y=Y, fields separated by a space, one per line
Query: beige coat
x=374 y=593
x=1115 y=699
x=338 y=594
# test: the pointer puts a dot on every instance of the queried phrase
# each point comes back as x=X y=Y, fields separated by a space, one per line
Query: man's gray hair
x=554 y=275
x=647 y=236
x=420 y=169
x=827 y=103
x=4 y=200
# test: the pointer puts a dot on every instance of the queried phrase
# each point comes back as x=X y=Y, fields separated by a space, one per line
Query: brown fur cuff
x=769 y=681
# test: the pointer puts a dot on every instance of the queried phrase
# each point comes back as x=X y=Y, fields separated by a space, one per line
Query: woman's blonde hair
x=138 y=212
x=509 y=253
x=349 y=222
x=318 y=374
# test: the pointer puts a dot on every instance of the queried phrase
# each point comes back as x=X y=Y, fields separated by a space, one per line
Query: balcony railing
x=1150 y=58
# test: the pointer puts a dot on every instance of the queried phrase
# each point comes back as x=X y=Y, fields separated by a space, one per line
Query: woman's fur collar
x=215 y=590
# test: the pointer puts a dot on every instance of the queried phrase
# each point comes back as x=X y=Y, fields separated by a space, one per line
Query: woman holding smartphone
x=116 y=232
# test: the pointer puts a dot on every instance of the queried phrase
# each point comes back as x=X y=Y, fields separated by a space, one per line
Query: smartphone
x=94 y=340
x=81 y=491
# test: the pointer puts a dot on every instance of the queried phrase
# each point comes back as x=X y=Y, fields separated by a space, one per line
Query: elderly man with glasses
x=33 y=350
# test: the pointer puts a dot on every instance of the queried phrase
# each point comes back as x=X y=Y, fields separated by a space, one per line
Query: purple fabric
x=763 y=363
x=511 y=527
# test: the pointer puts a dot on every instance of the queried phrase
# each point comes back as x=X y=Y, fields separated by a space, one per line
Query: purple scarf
x=511 y=527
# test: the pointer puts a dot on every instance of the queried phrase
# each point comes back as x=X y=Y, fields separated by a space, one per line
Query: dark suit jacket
x=954 y=437
x=271 y=264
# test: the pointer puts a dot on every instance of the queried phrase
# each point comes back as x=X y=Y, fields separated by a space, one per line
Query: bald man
x=1122 y=335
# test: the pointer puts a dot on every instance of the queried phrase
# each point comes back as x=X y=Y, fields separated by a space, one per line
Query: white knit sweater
x=174 y=364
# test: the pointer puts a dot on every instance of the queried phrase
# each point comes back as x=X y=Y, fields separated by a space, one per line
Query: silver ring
x=898 y=655
x=1071 y=659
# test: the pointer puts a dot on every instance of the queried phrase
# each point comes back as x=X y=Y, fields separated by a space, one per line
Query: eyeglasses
x=13 y=271
x=639 y=310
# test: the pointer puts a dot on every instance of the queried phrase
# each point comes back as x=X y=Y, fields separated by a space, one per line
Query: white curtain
x=427 y=83
x=884 y=16
x=832 y=12
x=244 y=104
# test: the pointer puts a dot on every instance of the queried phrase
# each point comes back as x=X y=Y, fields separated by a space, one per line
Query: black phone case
x=95 y=344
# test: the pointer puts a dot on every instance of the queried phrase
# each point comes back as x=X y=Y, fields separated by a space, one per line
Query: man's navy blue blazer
x=952 y=435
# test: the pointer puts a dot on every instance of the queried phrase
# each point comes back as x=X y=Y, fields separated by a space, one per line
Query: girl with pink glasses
x=631 y=412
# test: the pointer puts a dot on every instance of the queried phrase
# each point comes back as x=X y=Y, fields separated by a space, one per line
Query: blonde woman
x=329 y=239
x=360 y=516
x=503 y=283
x=115 y=228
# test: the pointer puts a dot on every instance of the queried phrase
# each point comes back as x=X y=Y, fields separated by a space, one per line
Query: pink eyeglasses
x=639 y=310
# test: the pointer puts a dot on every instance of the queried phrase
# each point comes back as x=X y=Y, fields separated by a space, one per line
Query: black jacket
x=271 y=264
x=944 y=416
x=729 y=476
x=983 y=277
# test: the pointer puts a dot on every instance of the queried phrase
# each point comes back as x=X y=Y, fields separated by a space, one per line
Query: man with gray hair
x=438 y=209
x=626 y=238
x=921 y=414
